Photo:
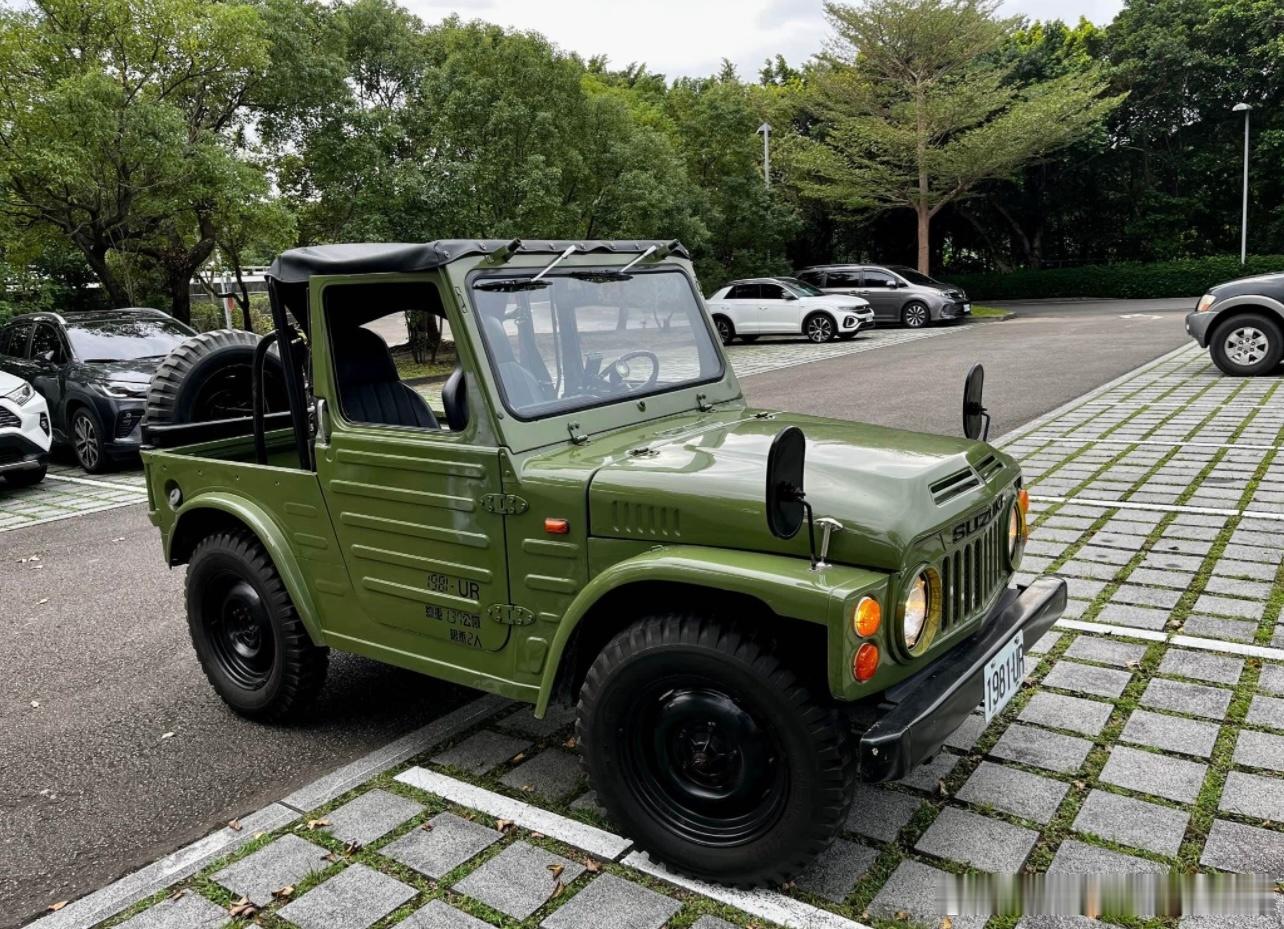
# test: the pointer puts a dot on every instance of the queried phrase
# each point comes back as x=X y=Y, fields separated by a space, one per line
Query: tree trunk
x=96 y=256
x=924 y=238
x=180 y=295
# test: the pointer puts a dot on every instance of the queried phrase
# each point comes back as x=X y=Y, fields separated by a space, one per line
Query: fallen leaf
x=518 y=758
x=259 y=835
x=570 y=743
x=503 y=825
x=352 y=848
x=329 y=856
x=242 y=909
x=528 y=788
x=43 y=600
x=314 y=824
x=35 y=704
x=1132 y=664
x=55 y=907
x=426 y=827
x=557 y=890
x=178 y=894
x=947 y=923
x=166 y=735
x=282 y=892
x=591 y=866
x=1080 y=785
x=537 y=835
x=119 y=538
x=556 y=870
x=234 y=825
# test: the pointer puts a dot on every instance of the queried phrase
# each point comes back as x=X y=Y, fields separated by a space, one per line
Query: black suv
x=1241 y=323
x=93 y=369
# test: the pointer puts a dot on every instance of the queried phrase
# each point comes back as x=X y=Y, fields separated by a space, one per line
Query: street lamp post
x=1246 y=109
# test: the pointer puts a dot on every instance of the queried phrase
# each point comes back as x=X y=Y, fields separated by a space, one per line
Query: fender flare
x=785 y=584
x=270 y=535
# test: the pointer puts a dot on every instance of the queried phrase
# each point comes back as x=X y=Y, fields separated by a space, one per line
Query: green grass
x=989 y=312
x=409 y=369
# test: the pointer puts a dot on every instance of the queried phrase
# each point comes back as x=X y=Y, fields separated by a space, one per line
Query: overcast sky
x=691 y=37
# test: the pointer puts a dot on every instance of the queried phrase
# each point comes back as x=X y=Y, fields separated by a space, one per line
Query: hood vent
x=645 y=519
x=957 y=484
x=988 y=466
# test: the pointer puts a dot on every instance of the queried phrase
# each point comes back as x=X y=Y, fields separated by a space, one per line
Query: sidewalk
x=1149 y=736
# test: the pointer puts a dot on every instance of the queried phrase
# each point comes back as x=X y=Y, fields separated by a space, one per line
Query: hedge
x=1187 y=277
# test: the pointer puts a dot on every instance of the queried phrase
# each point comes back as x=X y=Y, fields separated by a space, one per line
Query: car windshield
x=801 y=288
x=125 y=339
x=915 y=277
x=580 y=339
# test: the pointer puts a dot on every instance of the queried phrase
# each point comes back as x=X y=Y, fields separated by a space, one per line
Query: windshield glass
x=581 y=339
x=125 y=339
x=914 y=277
x=801 y=288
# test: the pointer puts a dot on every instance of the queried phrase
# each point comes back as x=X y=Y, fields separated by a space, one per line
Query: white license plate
x=1003 y=675
x=967 y=308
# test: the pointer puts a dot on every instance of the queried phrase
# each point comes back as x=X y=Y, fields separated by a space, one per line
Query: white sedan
x=24 y=432
x=786 y=306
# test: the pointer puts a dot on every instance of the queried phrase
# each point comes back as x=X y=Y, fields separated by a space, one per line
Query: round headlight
x=1016 y=534
x=917 y=604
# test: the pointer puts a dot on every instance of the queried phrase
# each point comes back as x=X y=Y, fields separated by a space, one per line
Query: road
x=97 y=671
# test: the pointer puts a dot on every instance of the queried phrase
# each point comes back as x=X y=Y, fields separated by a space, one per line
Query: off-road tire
x=178 y=388
x=726 y=329
x=28 y=478
x=297 y=667
x=677 y=655
x=1247 y=345
x=87 y=445
x=820 y=328
x=916 y=315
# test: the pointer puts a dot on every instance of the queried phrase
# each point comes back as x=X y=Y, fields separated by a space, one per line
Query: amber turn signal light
x=866 y=617
x=1023 y=501
x=557 y=526
x=866 y=662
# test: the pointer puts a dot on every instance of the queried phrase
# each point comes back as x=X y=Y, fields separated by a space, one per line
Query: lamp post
x=1246 y=109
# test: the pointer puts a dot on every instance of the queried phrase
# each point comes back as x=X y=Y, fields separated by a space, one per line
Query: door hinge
x=504 y=504
x=510 y=615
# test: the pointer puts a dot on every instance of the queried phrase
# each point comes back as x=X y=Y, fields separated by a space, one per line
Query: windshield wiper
x=601 y=277
x=511 y=285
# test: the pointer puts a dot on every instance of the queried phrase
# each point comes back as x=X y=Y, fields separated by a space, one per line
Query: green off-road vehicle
x=752 y=610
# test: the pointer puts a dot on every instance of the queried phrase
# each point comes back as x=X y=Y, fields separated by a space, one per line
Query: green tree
x=916 y=109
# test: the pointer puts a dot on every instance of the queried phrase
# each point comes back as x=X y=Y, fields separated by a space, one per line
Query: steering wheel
x=616 y=373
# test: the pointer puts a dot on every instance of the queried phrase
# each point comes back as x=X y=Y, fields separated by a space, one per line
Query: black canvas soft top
x=297 y=265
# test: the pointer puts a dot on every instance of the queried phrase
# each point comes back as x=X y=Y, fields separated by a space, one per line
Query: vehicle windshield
x=125 y=339
x=585 y=338
x=801 y=288
x=915 y=277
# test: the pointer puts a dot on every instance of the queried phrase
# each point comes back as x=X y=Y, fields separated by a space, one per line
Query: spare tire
x=208 y=377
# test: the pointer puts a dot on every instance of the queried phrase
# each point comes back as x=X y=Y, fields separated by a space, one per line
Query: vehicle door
x=880 y=289
x=48 y=362
x=779 y=310
x=417 y=507
x=841 y=282
x=742 y=308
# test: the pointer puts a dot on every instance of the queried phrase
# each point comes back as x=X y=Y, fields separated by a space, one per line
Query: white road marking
x=590 y=838
x=1174 y=638
x=1066 y=440
x=61 y=516
x=765 y=904
x=90 y=482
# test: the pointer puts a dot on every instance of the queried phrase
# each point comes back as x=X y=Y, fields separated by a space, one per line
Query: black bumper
x=922 y=712
x=1198 y=324
x=18 y=453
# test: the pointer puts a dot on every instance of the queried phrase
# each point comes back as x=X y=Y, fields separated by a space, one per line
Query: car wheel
x=26 y=478
x=726 y=331
x=249 y=639
x=916 y=315
x=818 y=328
x=87 y=441
x=1247 y=345
x=711 y=754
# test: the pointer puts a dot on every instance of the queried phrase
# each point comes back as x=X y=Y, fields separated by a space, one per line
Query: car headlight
x=1205 y=302
x=21 y=394
x=920 y=612
x=122 y=390
x=1016 y=534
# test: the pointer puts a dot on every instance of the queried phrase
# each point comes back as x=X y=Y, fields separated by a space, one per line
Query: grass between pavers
x=990 y=312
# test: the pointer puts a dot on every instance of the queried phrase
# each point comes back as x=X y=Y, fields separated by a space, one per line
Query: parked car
x=93 y=369
x=24 y=432
x=1241 y=323
x=896 y=293
x=785 y=306
x=750 y=609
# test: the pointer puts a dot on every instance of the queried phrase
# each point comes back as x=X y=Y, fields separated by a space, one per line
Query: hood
x=841 y=301
x=9 y=383
x=889 y=488
x=1271 y=285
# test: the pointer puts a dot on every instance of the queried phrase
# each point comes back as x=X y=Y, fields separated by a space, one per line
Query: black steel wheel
x=710 y=753
x=87 y=441
x=250 y=640
x=916 y=315
x=726 y=331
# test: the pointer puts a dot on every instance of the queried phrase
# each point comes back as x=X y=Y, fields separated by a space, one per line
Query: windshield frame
x=907 y=274
x=800 y=288
x=632 y=397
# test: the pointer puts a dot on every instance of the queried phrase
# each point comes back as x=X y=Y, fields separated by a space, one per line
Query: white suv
x=786 y=306
x=24 y=432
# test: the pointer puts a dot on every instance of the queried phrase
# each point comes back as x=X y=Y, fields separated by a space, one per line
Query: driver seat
x=370 y=390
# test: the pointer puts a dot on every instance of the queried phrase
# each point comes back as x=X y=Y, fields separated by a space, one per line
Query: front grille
x=973 y=573
x=9 y=419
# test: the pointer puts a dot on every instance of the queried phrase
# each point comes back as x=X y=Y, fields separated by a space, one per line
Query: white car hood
x=9 y=383
x=838 y=301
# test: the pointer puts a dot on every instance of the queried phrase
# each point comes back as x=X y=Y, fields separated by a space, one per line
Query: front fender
x=269 y=534
x=787 y=585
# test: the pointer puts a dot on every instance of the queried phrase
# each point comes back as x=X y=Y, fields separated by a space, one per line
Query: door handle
x=323 y=422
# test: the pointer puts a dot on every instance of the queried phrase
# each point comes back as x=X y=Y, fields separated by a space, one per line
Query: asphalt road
x=91 y=785
x=1046 y=355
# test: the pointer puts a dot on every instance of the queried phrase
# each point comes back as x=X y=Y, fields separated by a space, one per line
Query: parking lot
x=1149 y=736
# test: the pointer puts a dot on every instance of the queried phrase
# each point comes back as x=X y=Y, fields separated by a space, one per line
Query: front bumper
x=920 y=713
x=1197 y=325
x=851 y=323
x=19 y=453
